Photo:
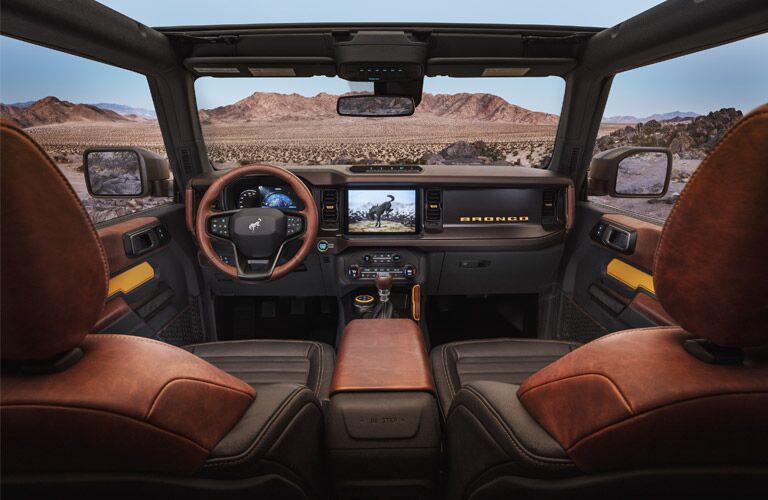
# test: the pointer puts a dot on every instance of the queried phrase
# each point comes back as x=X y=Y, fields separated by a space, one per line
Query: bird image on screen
x=381 y=211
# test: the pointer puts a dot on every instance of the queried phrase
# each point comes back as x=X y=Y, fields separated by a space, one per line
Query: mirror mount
x=604 y=171
x=126 y=172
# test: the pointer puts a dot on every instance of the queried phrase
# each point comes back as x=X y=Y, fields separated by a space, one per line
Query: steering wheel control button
x=294 y=225
x=220 y=226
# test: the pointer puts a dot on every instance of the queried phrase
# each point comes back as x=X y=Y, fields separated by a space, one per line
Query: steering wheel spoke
x=259 y=269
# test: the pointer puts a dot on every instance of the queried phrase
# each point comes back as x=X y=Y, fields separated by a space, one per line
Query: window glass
x=68 y=104
x=685 y=104
x=293 y=121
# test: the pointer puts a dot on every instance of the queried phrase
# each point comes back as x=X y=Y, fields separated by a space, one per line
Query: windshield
x=564 y=12
x=293 y=121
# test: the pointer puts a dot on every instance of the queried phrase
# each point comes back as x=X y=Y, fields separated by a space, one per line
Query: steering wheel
x=257 y=235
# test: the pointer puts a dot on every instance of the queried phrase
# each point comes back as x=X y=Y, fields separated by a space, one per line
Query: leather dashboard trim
x=112 y=241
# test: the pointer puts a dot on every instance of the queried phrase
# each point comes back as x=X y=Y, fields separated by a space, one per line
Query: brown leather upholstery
x=651 y=309
x=637 y=398
x=712 y=261
x=382 y=355
x=131 y=404
x=55 y=272
x=113 y=310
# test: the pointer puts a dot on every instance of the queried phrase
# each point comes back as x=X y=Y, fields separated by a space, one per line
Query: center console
x=382 y=420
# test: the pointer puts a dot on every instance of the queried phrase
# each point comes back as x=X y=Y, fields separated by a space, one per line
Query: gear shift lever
x=384 y=307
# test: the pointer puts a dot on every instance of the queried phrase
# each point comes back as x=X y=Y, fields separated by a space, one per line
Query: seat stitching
x=513 y=439
x=246 y=455
x=109 y=412
x=614 y=384
x=674 y=403
x=191 y=379
x=322 y=370
x=447 y=374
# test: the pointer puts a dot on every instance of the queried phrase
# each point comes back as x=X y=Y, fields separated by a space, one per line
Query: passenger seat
x=511 y=361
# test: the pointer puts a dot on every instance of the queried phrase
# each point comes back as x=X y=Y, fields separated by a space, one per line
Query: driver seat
x=119 y=415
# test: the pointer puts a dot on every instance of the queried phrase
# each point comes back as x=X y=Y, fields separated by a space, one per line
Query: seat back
x=77 y=403
x=694 y=395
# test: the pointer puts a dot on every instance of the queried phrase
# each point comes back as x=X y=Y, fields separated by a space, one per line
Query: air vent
x=433 y=215
x=330 y=207
x=551 y=200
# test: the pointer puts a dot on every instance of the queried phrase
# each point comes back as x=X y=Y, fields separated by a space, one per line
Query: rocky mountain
x=661 y=117
x=124 y=110
x=692 y=139
x=274 y=106
x=483 y=107
x=49 y=110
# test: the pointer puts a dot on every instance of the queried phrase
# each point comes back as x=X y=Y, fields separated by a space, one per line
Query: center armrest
x=382 y=355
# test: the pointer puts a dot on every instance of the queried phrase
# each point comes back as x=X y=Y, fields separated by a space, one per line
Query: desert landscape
x=290 y=129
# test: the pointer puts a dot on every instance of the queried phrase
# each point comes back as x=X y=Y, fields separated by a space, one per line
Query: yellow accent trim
x=630 y=275
x=131 y=279
x=364 y=299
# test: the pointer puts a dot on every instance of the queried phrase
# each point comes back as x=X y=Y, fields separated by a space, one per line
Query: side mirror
x=126 y=173
x=631 y=172
x=375 y=105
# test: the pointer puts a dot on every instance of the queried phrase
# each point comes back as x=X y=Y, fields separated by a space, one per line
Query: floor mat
x=455 y=318
x=279 y=318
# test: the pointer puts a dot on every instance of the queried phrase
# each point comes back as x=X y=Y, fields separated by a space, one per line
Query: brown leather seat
x=114 y=414
x=668 y=410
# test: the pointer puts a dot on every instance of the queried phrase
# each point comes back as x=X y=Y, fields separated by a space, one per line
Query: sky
x=727 y=76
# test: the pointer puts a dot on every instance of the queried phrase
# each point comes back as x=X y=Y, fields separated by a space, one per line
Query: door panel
x=608 y=275
x=154 y=282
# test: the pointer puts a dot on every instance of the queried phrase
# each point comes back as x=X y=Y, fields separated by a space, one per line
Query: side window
x=685 y=104
x=68 y=104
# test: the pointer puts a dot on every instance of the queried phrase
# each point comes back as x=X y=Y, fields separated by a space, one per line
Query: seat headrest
x=54 y=271
x=711 y=267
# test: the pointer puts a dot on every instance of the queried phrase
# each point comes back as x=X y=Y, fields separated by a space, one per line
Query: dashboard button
x=322 y=245
x=354 y=272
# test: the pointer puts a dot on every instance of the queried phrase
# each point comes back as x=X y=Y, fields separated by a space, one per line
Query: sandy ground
x=368 y=226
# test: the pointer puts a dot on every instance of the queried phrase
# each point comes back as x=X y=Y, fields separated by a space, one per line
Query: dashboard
x=455 y=229
x=433 y=207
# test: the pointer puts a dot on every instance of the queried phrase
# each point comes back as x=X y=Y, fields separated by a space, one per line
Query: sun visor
x=261 y=66
x=471 y=67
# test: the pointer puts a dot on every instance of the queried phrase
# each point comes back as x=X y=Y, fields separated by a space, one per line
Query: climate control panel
x=366 y=265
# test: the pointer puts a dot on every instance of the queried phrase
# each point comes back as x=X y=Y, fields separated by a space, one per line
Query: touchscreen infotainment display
x=379 y=211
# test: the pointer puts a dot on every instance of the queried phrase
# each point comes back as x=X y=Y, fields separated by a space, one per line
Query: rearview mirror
x=631 y=172
x=126 y=173
x=375 y=105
